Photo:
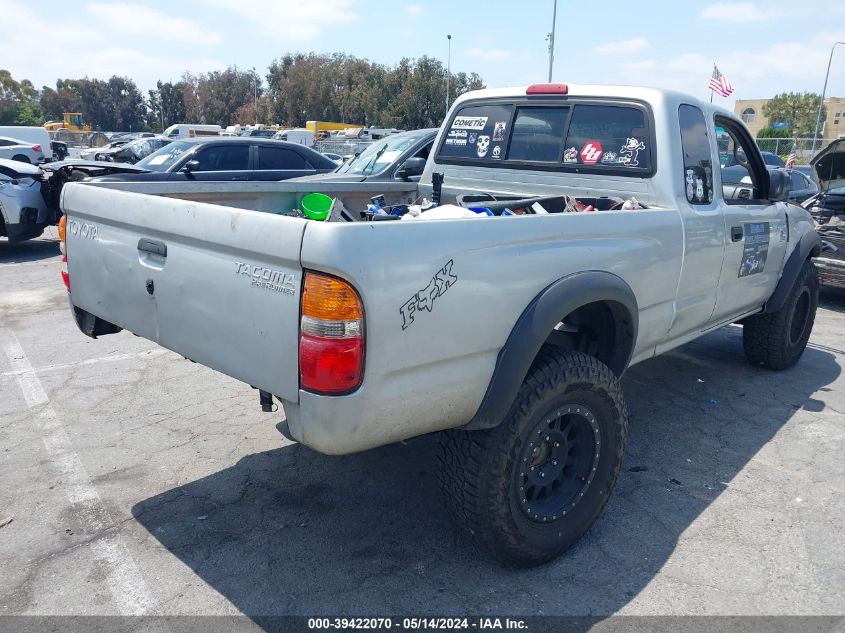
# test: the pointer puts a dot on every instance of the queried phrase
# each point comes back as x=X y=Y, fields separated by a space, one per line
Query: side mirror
x=191 y=165
x=410 y=168
x=779 y=182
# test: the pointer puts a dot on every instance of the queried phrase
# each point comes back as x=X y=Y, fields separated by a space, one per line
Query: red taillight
x=65 y=275
x=547 y=89
x=330 y=365
x=331 y=341
x=36 y=148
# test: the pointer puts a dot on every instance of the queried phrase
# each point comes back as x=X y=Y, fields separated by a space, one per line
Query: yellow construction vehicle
x=73 y=122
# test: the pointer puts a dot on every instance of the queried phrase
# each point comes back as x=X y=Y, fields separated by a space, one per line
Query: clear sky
x=762 y=47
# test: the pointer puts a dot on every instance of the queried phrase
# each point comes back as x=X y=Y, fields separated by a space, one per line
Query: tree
x=770 y=132
x=18 y=105
x=798 y=110
x=167 y=105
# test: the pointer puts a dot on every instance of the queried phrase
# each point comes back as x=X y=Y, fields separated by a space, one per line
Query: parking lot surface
x=138 y=482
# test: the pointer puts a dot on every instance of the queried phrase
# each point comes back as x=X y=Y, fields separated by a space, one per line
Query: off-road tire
x=776 y=340
x=479 y=469
x=21 y=158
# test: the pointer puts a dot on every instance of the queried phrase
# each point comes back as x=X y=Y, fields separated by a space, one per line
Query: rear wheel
x=528 y=489
x=776 y=340
x=21 y=158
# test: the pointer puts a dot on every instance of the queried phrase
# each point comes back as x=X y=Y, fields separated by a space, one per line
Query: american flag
x=790 y=160
x=720 y=84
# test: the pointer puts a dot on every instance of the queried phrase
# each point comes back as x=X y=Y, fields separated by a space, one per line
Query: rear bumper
x=831 y=271
x=25 y=230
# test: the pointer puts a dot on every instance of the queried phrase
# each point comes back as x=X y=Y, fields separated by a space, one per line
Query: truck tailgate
x=215 y=284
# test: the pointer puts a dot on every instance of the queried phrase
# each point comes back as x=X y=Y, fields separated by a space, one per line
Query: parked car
x=727 y=159
x=99 y=153
x=60 y=150
x=22 y=151
x=229 y=158
x=828 y=209
x=398 y=157
x=30 y=194
x=336 y=158
x=509 y=333
x=30 y=135
x=133 y=151
x=737 y=184
x=259 y=133
x=192 y=130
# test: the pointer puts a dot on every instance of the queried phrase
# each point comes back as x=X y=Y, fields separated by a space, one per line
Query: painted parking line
x=129 y=591
x=88 y=361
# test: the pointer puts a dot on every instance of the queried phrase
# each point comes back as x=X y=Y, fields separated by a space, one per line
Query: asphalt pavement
x=140 y=483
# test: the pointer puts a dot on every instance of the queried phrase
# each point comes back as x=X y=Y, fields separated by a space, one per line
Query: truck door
x=756 y=227
x=704 y=226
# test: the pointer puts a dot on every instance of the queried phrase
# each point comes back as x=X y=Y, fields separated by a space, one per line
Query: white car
x=22 y=151
x=337 y=158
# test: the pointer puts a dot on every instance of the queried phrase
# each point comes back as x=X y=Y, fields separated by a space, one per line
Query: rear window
x=478 y=132
x=579 y=136
x=280 y=158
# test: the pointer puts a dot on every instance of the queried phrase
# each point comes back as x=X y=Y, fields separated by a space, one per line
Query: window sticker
x=469 y=123
x=497 y=152
x=755 y=248
x=571 y=155
x=499 y=130
x=158 y=160
x=631 y=150
x=482 y=145
x=591 y=152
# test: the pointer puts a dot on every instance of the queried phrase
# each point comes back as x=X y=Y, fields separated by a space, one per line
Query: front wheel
x=528 y=489
x=776 y=340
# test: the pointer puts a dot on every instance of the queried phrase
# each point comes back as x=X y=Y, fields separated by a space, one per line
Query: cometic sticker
x=469 y=123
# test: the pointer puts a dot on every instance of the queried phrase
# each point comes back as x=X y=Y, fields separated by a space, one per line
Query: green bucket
x=316 y=206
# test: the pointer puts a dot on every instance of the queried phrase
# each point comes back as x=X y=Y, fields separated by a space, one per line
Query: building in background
x=751 y=111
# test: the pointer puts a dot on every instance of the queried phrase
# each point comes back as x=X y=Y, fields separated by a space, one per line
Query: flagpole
x=711 y=89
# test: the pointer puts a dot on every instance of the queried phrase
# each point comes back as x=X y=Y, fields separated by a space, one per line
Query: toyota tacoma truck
x=507 y=332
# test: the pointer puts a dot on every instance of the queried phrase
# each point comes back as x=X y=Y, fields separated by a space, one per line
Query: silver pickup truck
x=508 y=333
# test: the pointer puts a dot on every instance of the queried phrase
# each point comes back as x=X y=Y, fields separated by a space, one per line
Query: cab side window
x=743 y=172
x=698 y=165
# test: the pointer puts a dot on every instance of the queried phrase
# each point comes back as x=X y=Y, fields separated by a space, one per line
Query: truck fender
x=535 y=324
x=809 y=245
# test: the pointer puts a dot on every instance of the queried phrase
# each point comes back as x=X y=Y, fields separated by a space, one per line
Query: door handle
x=736 y=233
x=146 y=245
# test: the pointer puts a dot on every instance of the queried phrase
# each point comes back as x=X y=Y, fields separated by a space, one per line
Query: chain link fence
x=343 y=148
x=805 y=148
x=79 y=139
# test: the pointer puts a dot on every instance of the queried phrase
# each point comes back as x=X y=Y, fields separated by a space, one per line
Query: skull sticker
x=482 y=146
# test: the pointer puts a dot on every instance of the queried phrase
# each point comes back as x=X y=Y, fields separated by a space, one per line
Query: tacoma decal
x=267 y=278
x=424 y=299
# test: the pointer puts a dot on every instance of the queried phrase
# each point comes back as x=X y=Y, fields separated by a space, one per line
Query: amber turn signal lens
x=62 y=228
x=329 y=298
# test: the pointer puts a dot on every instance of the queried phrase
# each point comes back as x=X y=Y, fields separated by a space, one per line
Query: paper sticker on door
x=755 y=248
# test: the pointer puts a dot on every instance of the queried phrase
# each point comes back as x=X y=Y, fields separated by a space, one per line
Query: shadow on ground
x=289 y=531
x=832 y=298
x=28 y=251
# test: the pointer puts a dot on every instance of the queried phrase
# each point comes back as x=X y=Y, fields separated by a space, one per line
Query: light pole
x=255 y=89
x=448 y=70
x=824 y=89
x=551 y=38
